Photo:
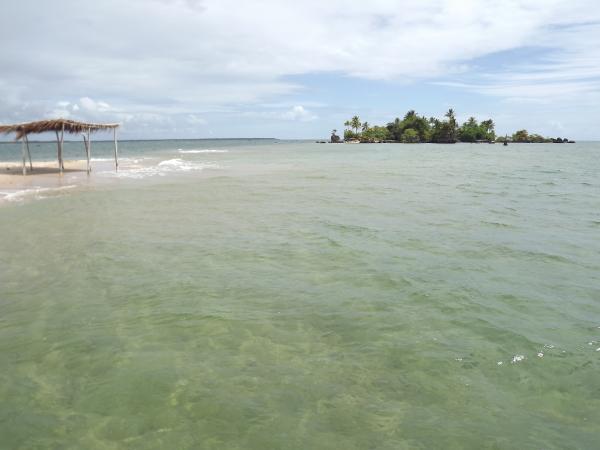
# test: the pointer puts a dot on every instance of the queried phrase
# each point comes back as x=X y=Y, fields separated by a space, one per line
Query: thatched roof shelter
x=44 y=126
x=62 y=126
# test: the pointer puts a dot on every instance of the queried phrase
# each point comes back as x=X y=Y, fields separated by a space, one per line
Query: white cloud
x=94 y=106
x=58 y=112
x=568 y=72
x=178 y=57
x=298 y=112
x=193 y=119
x=295 y=113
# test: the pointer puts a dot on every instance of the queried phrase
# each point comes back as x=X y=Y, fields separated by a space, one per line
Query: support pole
x=28 y=153
x=84 y=145
x=62 y=142
x=89 y=141
x=87 y=150
x=58 y=151
x=23 y=154
x=116 y=150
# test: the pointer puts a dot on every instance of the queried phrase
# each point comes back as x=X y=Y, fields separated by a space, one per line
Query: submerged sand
x=46 y=180
x=11 y=173
x=45 y=177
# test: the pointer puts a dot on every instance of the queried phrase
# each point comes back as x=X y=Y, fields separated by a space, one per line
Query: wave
x=163 y=168
x=497 y=224
x=180 y=164
x=36 y=192
x=208 y=150
x=121 y=160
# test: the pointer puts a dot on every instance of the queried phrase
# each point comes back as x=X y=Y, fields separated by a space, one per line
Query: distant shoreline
x=451 y=143
x=416 y=129
x=53 y=141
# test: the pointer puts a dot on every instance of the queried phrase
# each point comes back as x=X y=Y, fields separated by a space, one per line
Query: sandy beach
x=45 y=178
x=45 y=172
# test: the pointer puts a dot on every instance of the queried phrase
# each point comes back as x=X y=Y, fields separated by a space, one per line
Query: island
x=415 y=129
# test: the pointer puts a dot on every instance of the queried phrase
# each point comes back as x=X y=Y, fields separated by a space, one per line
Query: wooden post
x=58 y=151
x=88 y=150
x=116 y=150
x=89 y=139
x=62 y=142
x=87 y=158
x=23 y=153
x=28 y=153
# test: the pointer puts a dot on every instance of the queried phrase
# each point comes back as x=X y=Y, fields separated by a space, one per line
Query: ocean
x=265 y=294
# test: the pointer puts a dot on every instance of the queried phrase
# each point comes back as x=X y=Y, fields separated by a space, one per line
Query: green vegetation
x=375 y=134
x=471 y=131
x=414 y=129
x=410 y=136
x=523 y=137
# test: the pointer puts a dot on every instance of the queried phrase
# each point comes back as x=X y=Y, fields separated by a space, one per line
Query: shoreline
x=44 y=179
x=169 y=162
x=11 y=173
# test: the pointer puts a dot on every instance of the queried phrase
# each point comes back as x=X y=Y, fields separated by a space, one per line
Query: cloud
x=299 y=113
x=87 y=104
x=567 y=69
x=193 y=119
x=58 y=112
x=182 y=58
x=296 y=113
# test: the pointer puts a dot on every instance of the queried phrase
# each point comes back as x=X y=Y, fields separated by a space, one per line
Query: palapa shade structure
x=60 y=127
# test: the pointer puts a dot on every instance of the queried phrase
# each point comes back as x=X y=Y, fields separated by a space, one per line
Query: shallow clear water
x=295 y=295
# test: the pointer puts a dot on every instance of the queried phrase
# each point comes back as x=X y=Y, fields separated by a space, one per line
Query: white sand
x=44 y=173
x=46 y=178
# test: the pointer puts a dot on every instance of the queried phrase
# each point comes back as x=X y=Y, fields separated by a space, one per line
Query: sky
x=298 y=69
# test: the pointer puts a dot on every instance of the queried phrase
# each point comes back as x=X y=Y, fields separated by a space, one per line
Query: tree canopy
x=413 y=129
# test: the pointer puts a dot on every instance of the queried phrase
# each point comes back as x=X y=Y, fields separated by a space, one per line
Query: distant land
x=12 y=141
x=414 y=129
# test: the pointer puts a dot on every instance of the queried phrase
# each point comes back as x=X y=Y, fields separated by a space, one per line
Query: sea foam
x=202 y=151
x=36 y=192
x=163 y=168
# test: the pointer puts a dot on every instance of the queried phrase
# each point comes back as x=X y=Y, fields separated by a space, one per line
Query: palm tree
x=347 y=124
x=453 y=126
x=355 y=123
x=488 y=125
x=410 y=114
x=365 y=126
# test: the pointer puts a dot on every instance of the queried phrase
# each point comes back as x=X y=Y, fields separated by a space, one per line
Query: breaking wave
x=163 y=168
x=33 y=192
x=183 y=152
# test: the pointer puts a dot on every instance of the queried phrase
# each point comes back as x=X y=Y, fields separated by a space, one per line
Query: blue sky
x=288 y=69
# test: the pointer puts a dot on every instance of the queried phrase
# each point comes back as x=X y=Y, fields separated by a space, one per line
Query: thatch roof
x=43 y=126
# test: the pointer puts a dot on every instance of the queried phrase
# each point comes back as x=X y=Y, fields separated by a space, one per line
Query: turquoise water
x=294 y=295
